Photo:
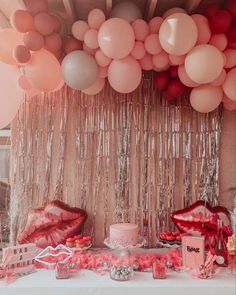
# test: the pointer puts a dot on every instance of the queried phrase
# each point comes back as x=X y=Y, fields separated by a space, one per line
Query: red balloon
x=173 y=71
x=220 y=22
x=162 y=80
x=211 y=9
x=231 y=33
x=175 y=88
x=166 y=95
x=231 y=7
x=231 y=45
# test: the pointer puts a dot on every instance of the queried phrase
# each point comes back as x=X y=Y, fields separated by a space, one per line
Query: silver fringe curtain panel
x=123 y=158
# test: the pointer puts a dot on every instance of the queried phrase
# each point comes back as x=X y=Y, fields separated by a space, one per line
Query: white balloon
x=126 y=10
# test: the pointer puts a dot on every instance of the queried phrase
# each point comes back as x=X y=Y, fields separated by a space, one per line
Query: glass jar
x=159 y=269
x=62 y=270
x=121 y=268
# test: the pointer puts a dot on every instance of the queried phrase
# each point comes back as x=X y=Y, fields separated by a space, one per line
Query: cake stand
x=166 y=245
x=116 y=246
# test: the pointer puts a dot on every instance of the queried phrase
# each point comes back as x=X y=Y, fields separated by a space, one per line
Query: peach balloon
x=9 y=40
x=56 y=24
x=229 y=85
x=37 y=6
x=12 y=94
x=59 y=86
x=219 y=41
x=178 y=34
x=230 y=55
x=177 y=60
x=96 y=18
x=173 y=11
x=79 y=28
x=184 y=78
x=203 y=28
x=24 y=83
x=138 y=51
x=89 y=50
x=155 y=24
x=206 y=98
x=101 y=59
x=220 y=79
x=102 y=72
x=229 y=104
x=91 y=39
x=33 y=40
x=124 y=75
x=71 y=44
x=161 y=60
x=146 y=62
x=141 y=29
x=96 y=87
x=152 y=44
x=21 y=54
x=43 y=71
x=116 y=38
x=128 y=11
x=53 y=42
x=22 y=21
x=44 y=23
x=204 y=63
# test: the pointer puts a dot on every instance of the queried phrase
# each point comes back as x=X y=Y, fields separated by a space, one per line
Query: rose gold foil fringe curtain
x=132 y=158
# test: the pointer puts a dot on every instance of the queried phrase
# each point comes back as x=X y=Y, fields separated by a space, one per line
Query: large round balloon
x=79 y=70
x=204 y=63
x=206 y=98
x=43 y=71
x=178 y=34
x=116 y=38
x=229 y=85
x=125 y=74
x=184 y=78
x=97 y=87
x=12 y=94
x=128 y=11
x=22 y=21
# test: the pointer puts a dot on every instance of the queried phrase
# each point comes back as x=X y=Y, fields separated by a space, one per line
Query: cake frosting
x=124 y=234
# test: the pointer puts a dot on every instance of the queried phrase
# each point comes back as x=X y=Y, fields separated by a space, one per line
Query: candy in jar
x=159 y=269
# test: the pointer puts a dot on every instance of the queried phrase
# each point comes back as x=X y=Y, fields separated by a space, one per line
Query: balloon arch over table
x=196 y=52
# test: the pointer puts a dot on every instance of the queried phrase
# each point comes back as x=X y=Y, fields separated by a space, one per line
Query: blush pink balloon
x=184 y=78
x=220 y=79
x=71 y=44
x=161 y=69
x=9 y=40
x=138 y=51
x=96 y=18
x=141 y=29
x=124 y=75
x=230 y=55
x=96 y=87
x=91 y=39
x=37 y=6
x=177 y=60
x=24 y=83
x=146 y=62
x=79 y=28
x=155 y=24
x=206 y=98
x=33 y=40
x=229 y=104
x=59 y=86
x=44 y=23
x=178 y=34
x=102 y=72
x=89 y=50
x=56 y=24
x=203 y=28
x=101 y=59
x=161 y=60
x=22 y=21
x=53 y=42
x=229 y=85
x=152 y=44
x=219 y=41
x=21 y=54
x=43 y=71
x=224 y=58
x=172 y=11
x=116 y=38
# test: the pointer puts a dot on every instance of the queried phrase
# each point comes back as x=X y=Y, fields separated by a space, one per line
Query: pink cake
x=124 y=234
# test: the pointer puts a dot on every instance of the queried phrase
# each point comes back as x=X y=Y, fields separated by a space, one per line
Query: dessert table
x=88 y=283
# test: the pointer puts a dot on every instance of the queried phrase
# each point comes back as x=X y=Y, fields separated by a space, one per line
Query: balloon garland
x=195 y=52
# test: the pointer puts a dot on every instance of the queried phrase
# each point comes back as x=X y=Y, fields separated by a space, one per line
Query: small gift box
x=159 y=269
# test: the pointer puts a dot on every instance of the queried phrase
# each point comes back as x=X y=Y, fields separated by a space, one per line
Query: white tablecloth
x=86 y=282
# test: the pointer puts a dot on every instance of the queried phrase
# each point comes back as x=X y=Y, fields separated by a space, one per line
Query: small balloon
x=152 y=44
x=102 y=72
x=161 y=60
x=162 y=80
x=146 y=62
x=101 y=59
x=230 y=55
x=203 y=28
x=155 y=24
x=79 y=28
x=37 y=6
x=184 y=78
x=177 y=60
x=96 y=18
x=71 y=44
x=219 y=41
x=220 y=79
x=44 y=23
x=33 y=40
x=21 y=54
x=138 y=51
x=53 y=42
x=220 y=22
x=229 y=85
x=230 y=6
x=22 y=21
x=91 y=39
x=175 y=88
x=141 y=29
x=211 y=9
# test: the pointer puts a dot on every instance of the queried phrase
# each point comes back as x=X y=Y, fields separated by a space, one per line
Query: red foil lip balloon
x=52 y=225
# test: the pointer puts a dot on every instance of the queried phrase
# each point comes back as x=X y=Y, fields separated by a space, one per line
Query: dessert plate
x=166 y=245
x=75 y=249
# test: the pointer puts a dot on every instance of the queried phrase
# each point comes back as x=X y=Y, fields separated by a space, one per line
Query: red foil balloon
x=175 y=88
x=220 y=22
x=162 y=80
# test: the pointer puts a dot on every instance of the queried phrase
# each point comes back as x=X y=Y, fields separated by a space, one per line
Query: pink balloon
x=161 y=60
x=53 y=42
x=204 y=63
x=178 y=34
x=71 y=44
x=146 y=62
x=152 y=44
x=33 y=40
x=206 y=98
x=89 y=50
x=155 y=24
x=21 y=54
x=24 y=83
x=224 y=59
x=161 y=69
x=22 y=21
x=220 y=79
x=79 y=28
x=229 y=85
x=101 y=59
x=177 y=60
x=56 y=24
x=12 y=94
x=59 y=86
x=44 y=23
x=116 y=38
x=230 y=55
x=37 y=6
x=96 y=18
x=124 y=75
x=173 y=11
x=141 y=29
x=91 y=39
x=138 y=51
x=102 y=72
x=203 y=28
x=229 y=104
x=96 y=87
x=43 y=71
x=219 y=41
x=184 y=78
x=9 y=40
